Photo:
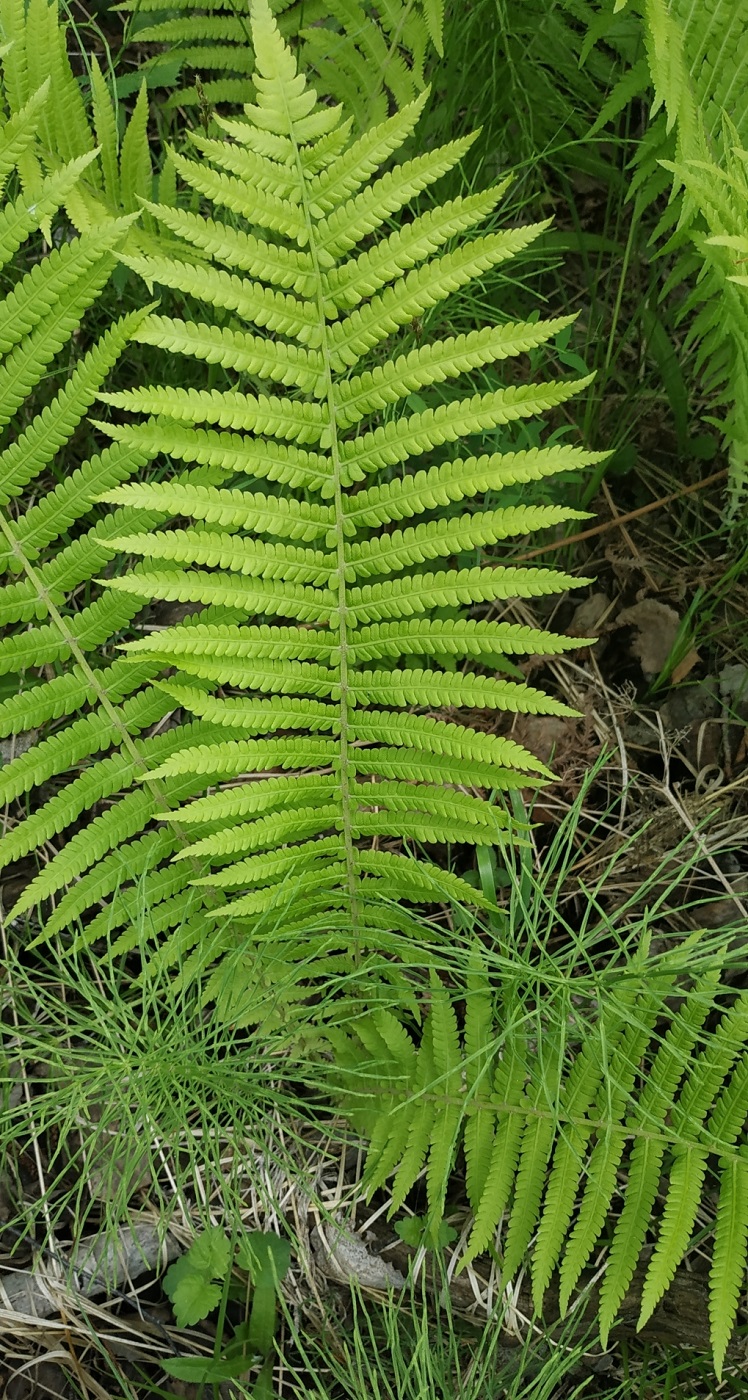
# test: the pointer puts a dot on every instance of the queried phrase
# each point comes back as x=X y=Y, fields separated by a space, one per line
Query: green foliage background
x=256 y=790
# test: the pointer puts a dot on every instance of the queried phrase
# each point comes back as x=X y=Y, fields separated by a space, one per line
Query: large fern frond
x=330 y=639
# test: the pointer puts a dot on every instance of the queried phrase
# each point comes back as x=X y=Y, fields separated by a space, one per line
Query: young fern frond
x=547 y=1127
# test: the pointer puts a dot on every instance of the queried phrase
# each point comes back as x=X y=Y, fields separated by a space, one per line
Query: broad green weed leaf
x=194 y=1282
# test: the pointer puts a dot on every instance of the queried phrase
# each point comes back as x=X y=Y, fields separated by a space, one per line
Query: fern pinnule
x=505 y=1140
x=576 y=1099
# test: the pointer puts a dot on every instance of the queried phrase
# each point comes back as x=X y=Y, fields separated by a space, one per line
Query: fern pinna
x=555 y=1125
x=365 y=628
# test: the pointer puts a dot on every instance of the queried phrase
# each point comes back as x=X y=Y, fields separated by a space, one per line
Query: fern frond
x=36 y=447
x=543 y=1128
x=305 y=602
x=297 y=823
x=480 y=1058
x=69 y=499
x=19 y=219
x=576 y=1099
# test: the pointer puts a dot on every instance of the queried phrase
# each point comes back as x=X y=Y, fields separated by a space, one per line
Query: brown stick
x=622 y=519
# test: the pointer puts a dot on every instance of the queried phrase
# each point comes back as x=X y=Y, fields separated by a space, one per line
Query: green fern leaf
x=407 y=496
x=654 y=1105
x=534 y=1154
x=463 y=637
x=509 y=1086
x=229 y=452
x=286 y=364
x=420 y=290
x=262 y=870
x=261 y=716
x=306 y=602
x=440 y=360
x=576 y=1098
x=354 y=219
x=729 y=1255
x=687 y=1174
x=420 y=593
x=275 y=263
x=420 y=1122
x=403 y=548
x=362 y=276
x=479 y=1069
x=435 y=687
x=448 y=1078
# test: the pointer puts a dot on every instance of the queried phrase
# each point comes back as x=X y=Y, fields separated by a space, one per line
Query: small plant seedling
x=201 y=1280
x=416 y=1230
